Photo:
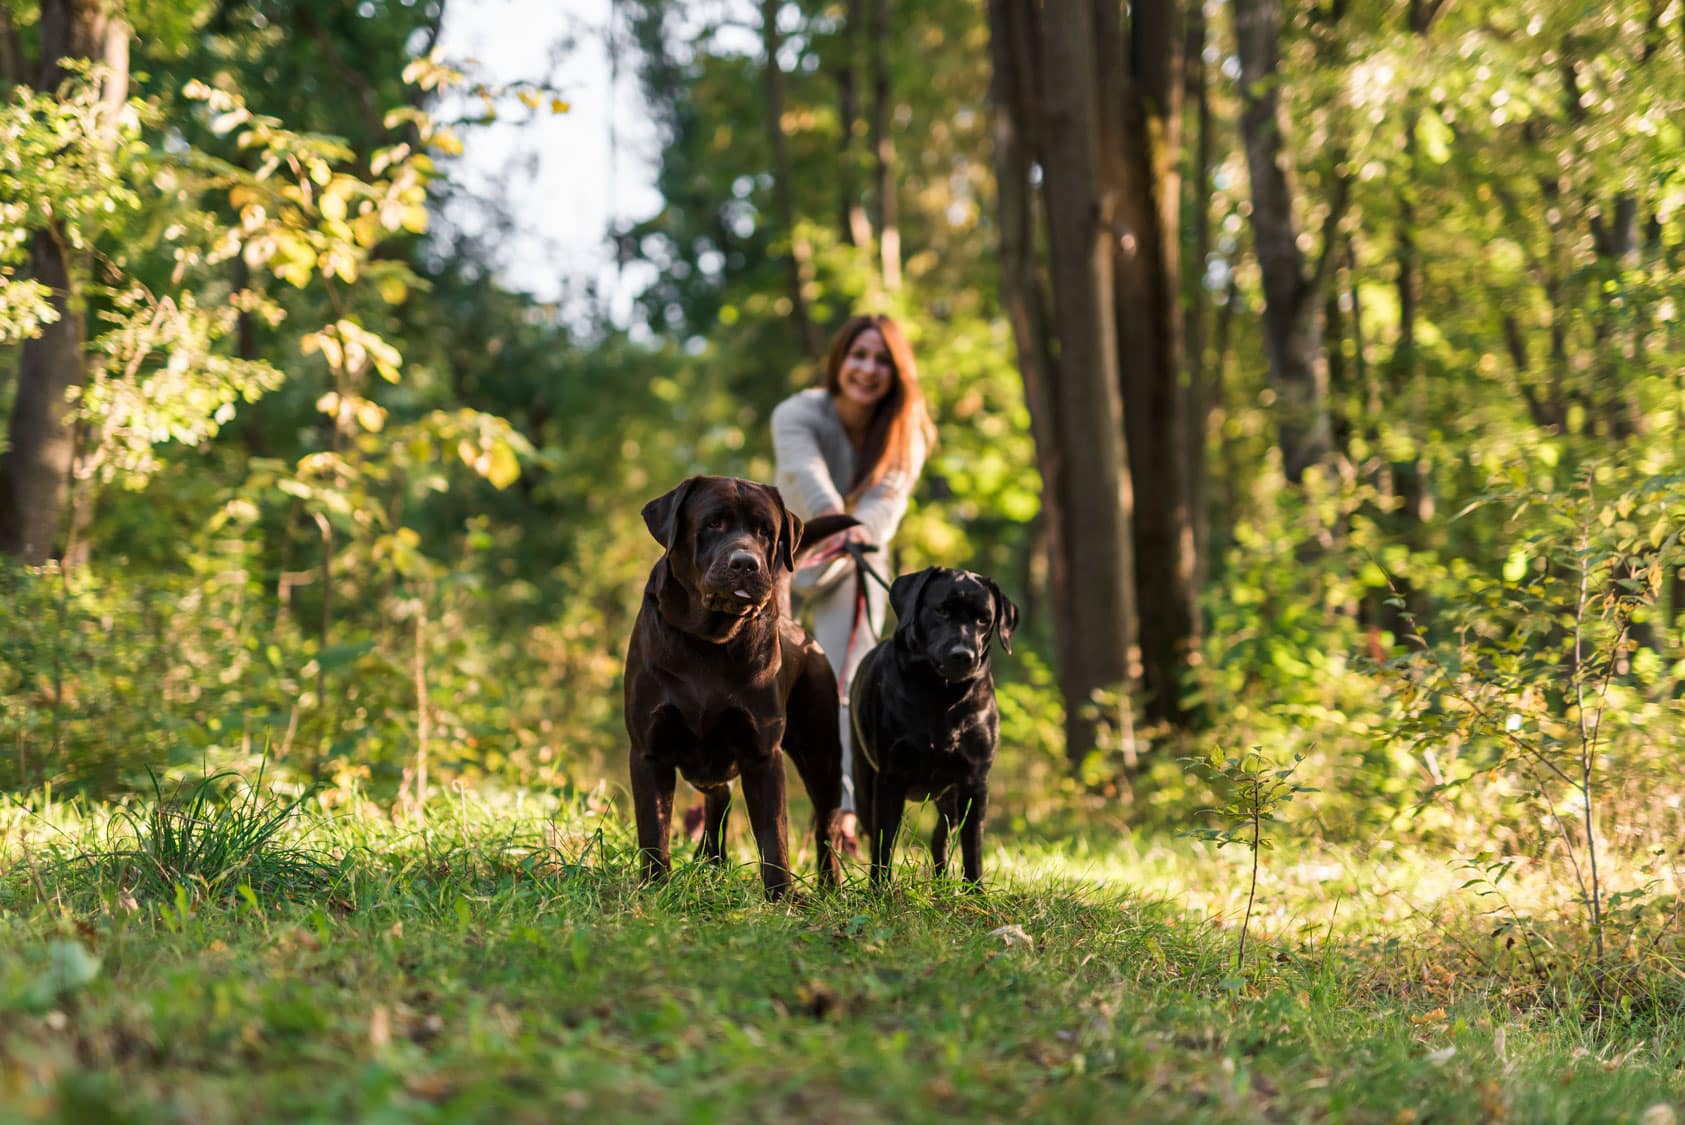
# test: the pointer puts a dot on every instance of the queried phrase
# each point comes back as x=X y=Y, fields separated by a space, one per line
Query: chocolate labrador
x=924 y=714
x=721 y=682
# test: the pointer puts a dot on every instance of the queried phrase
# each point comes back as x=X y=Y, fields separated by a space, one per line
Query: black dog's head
x=727 y=540
x=946 y=617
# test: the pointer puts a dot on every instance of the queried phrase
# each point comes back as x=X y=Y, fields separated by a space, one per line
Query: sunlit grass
x=497 y=960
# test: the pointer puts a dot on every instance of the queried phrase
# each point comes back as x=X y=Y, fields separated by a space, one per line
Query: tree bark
x=854 y=224
x=783 y=192
x=1138 y=78
x=1297 y=364
x=1080 y=216
x=883 y=145
x=1015 y=51
x=1200 y=397
x=35 y=469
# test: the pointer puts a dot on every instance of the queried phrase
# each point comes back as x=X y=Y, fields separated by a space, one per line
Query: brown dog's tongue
x=744 y=594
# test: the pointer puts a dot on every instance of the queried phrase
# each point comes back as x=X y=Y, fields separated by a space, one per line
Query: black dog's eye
x=715 y=523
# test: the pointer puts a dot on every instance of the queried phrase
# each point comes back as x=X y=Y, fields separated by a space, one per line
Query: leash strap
x=862 y=604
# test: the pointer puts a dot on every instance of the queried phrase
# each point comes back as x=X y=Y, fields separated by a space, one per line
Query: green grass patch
x=501 y=963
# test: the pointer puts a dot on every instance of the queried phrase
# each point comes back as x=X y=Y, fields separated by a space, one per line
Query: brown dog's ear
x=789 y=533
x=1006 y=615
x=661 y=515
x=904 y=597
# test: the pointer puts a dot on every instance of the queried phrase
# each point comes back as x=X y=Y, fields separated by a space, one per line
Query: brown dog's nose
x=743 y=562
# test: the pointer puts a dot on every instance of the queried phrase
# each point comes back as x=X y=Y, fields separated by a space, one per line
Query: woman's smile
x=867 y=370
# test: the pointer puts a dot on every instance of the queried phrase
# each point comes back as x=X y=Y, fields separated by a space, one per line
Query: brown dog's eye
x=715 y=523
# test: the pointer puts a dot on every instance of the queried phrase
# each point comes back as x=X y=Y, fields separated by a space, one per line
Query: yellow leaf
x=393 y=290
x=370 y=415
x=557 y=105
x=504 y=468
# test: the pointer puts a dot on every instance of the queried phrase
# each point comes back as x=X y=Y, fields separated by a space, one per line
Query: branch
x=11 y=49
x=1330 y=233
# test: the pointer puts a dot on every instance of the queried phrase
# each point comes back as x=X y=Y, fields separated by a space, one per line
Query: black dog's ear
x=1006 y=615
x=661 y=515
x=904 y=596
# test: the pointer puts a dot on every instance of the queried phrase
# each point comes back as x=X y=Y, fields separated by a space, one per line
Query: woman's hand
x=855 y=534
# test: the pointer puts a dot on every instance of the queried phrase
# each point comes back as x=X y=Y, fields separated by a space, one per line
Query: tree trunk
x=1293 y=335
x=1140 y=108
x=1195 y=304
x=783 y=192
x=35 y=469
x=1080 y=217
x=1015 y=50
x=883 y=144
x=855 y=226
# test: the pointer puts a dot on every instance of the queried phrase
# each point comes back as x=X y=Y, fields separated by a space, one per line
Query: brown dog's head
x=727 y=540
x=947 y=618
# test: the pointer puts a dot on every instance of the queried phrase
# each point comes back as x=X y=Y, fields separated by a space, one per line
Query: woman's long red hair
x=898 y=416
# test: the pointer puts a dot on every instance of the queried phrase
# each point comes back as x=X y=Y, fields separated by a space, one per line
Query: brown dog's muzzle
x=738 y=580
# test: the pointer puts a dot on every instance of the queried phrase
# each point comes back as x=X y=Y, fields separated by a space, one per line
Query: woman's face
x=867 y=372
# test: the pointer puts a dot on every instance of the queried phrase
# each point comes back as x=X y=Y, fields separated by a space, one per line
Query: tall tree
x=855 y=226
x=1140 y=82
x=35 y=469
x=1048 y=116
x=883 y=146
x=1298 y=365
x=783 y=190
x=1196 y=419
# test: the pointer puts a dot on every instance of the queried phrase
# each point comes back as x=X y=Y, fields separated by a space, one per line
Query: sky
x=565 y=177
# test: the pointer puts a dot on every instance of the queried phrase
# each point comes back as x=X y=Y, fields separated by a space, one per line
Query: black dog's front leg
x=763 y=792
x=946 y=818
x=888 y=799
x=652 y=805
x=971 y=810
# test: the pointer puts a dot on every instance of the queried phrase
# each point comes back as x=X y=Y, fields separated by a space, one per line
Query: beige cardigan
x=813 y=454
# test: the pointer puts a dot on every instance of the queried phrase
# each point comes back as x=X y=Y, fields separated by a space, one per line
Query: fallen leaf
x=1013 y=936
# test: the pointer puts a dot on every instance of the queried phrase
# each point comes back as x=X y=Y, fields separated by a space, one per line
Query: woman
x=855 y=444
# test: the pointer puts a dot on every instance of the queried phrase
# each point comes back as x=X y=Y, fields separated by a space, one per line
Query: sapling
x=1257 y=790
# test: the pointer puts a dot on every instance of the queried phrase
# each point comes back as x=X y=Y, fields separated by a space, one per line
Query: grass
x=502 y=964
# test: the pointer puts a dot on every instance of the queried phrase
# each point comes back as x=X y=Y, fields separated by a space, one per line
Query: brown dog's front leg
x=716 y=811
x=763 y=792
x=652 y=805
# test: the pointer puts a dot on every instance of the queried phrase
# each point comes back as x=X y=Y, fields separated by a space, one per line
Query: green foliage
x=1555 y=688
x=1258 y=790
x=202 y=841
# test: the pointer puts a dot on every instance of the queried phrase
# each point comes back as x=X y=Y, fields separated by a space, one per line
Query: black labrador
x=722 y=683
x=924 y=714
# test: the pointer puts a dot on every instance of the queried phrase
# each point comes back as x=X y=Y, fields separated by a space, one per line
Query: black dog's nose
x=743 y=562
x=959 y=654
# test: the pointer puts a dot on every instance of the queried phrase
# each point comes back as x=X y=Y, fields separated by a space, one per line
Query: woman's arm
x=802 y=473
x=881 y=507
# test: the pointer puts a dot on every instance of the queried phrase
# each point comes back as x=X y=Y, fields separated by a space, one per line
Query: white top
x=814 y=454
